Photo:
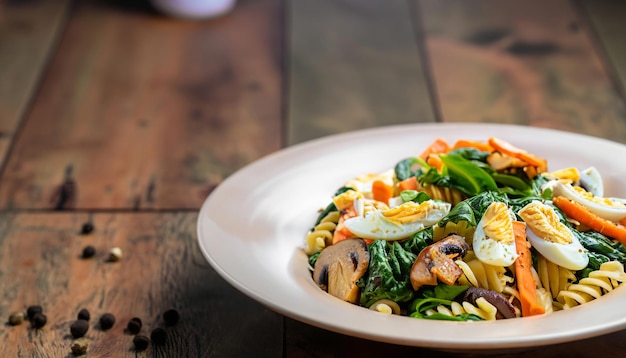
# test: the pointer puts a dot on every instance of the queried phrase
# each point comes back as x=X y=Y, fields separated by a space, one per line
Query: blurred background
x=129 y=113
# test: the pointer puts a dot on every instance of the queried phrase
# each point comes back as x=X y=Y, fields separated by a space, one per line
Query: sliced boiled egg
x=551 y=238
x=612 y=209
x=494 y=242
x=399 y=222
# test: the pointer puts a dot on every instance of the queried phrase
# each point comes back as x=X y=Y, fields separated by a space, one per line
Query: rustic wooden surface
x=115 y=114
x=151 y=112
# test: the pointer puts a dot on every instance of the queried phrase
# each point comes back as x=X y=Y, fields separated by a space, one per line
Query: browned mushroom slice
x=339 y=266
x=436 y=262
x=505 y=308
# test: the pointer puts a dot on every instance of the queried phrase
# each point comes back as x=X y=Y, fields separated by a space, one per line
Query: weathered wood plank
x=142 y=111
x=522 y=62
x=28 y=32
x=352 y=65
x=607 y=21
x=161 y=268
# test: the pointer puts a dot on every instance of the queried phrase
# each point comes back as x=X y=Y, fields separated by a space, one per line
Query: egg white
x=613 y=213
x=374 y=225
x=571 y=256
x=491 y=251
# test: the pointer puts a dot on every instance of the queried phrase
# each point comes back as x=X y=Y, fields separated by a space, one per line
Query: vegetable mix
x=474 y=230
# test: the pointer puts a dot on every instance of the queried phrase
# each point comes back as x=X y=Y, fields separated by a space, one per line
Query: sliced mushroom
x=505 y=308
x=436 y=262
x=339 y=266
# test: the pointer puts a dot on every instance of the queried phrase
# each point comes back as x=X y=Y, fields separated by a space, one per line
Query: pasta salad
x=470 y=230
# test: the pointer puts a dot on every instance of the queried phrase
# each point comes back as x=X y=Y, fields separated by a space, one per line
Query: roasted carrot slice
x=437 y=147
x=466 y=143
x=581 y=214
x=509 y=149
x=341 y=231
x=381 y=191
x=434 y=161
x=526 y=285
x=408 y=184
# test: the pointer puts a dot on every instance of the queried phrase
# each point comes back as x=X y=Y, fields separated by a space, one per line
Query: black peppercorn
x=39 y=320
x=134 y=325
x=89 y=251
x=107 y=321
x=79 y=328
x=141 y=342
x=84 y=314
x=87 y=228
x=32 y=310
x=171 y=317
x=158 y=336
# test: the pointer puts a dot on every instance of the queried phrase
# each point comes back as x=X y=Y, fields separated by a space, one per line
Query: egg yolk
x=497 y=223
x=603 y=201
x=408 y=212
x=544 y=222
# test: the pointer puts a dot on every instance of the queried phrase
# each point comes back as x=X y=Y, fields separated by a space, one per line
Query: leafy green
x=465 y=175
x=404 y=168
x=431 y=297
x=418 y=241
x=414 y=195
x=313 y=258
x=388 y=274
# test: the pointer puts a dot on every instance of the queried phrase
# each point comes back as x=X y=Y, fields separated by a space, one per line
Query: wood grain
x=28 y=33
x=142 y=111
x=527 y=62
x=607 y=21
x=161 y=268
x=353 y=65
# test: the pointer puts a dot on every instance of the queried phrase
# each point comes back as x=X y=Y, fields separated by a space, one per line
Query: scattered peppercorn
x=89 y=251
x=84 y=314
x=115 y=254
x=87 y=228
x=79 y=328
x=80 y=347
x=141 y=342
x=39 y=320
x=107 y=321
x=32 y=310
x=158 y=336
x=134 y=325
x=171 y=317
x=16 y=318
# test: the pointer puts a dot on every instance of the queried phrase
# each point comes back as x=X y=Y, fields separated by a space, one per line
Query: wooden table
x=115 y=115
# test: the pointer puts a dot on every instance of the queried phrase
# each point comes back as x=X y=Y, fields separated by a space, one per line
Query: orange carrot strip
x=438 y=146
x=341 y=231
x=509 y=149
x=408 y=184
x=434 y=161
x=381 y=191
x=466 y=143
x=526 y=285
x=581 y=214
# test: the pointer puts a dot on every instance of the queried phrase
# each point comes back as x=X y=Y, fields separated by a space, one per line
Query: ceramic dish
x=251 y=230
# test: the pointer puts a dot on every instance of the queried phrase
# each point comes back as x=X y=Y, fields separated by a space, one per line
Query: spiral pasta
x=599 y=282
x=452 y=196
x=552 y=277
x=322 y=234
x=479 y=274
x=482 y=309
x=462 y=228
